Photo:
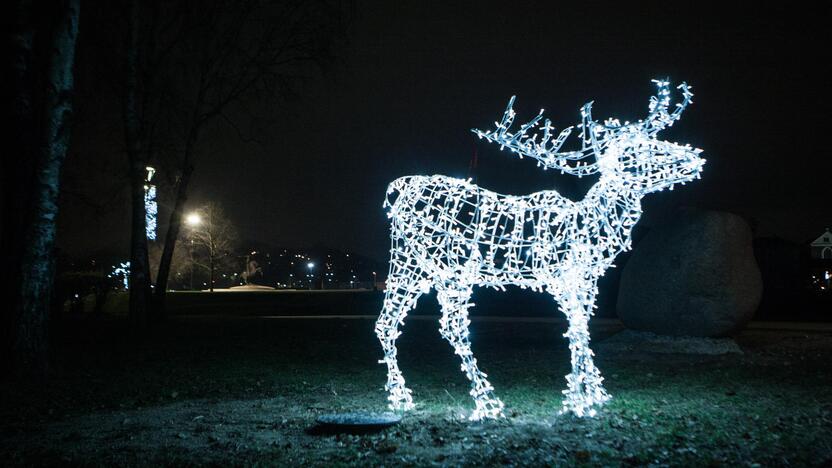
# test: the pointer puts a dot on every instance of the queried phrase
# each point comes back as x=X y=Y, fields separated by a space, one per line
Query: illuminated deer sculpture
x=451 y=235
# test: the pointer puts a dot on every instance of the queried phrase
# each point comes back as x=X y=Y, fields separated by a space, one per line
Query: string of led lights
x=150 y=205
x=450 y=235
x=122 y=271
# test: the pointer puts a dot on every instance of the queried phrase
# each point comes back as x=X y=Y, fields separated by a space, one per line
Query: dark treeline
x=167 y=75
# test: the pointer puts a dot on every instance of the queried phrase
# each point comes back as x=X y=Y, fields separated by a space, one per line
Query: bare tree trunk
x=29 y=345
x=211 y=278
x=139 y=262
x=212 y=251
x=174 y=227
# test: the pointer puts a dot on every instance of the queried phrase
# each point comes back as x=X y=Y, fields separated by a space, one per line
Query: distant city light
x=122 y=271
x=310 y=265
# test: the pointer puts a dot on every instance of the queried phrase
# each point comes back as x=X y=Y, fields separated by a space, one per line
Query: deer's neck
x=614 y=204
x=613 y=190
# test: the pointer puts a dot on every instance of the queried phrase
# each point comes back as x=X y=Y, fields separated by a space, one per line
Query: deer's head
x=627 y=151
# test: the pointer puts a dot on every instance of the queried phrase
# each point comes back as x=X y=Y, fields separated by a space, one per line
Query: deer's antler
x=547 y=150
x=659 y=117
x=594 y=135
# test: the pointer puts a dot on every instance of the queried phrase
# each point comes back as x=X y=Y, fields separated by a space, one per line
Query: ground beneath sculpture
x=246 y=391
x=636 y=343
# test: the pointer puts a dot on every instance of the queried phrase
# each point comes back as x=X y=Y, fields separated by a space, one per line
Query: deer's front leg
x=454 y=328
x=584 y=388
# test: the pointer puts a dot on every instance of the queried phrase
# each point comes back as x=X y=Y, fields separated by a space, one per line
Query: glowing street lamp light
x=193 y=219
x=310 y=265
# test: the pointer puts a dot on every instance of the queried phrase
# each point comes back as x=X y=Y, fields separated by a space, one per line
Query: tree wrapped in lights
x=150 y=205
x=451 y=235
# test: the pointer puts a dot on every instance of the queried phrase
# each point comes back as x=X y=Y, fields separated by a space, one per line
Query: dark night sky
x=414 y=79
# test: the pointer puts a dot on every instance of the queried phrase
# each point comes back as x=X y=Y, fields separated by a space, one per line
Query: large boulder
x=693 y=274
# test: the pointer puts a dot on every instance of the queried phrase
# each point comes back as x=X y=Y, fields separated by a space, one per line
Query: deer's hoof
x=401 y=400
x=403 y=405
x=491 y=408
x=585 y=406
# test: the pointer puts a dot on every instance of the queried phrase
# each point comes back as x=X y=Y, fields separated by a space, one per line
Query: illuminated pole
x=310 y=265
x=193 y=220
x=150 y=205
x=211 y=251
x=245 y=269
x=192 y=263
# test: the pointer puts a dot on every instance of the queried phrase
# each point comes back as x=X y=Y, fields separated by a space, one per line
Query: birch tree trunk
x=174 y=228
x=29 y=341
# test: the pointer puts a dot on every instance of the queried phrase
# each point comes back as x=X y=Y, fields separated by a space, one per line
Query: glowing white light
x=122 y=271
x=150 y=206
x=310 y=265
x=451 y=235
x=193 y=219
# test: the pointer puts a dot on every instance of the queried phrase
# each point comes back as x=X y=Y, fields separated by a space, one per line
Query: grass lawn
x=245 y=391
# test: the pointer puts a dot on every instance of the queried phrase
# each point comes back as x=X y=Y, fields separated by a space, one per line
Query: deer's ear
x=586 y=117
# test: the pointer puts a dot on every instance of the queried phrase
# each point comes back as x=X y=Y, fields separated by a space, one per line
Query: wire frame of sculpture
x=451 y=235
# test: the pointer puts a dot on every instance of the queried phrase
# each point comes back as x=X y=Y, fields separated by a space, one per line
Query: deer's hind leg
x=584 y=384
x=404 y=286
x=454 y=328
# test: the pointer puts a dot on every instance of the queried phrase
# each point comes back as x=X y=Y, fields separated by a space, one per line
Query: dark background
x=413 y=77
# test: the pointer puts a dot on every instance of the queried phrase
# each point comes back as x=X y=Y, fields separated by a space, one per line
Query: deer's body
x=524 y=243
x=451 y=235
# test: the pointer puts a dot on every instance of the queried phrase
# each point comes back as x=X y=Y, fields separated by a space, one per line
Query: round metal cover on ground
x=358 y=422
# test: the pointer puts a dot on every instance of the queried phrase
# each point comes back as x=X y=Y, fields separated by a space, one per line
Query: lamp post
x=246 y=269
x=193 y=220
x=375 y=281
x=310 y=266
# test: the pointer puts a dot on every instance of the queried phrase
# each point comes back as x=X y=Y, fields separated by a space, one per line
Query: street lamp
x=193 y=220
x=248 y=271
x=310 y=265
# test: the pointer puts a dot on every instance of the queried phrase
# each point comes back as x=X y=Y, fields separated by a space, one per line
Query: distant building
x=821 y=248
